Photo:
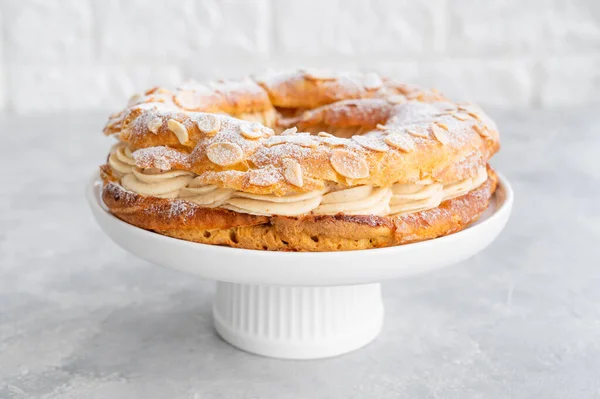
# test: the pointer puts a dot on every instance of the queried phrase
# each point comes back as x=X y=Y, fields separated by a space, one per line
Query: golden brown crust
x=311 y=88
x=410 y=134
x=188 y=221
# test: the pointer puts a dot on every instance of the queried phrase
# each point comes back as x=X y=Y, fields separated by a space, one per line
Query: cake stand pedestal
x=298 y=322
x=305 y=305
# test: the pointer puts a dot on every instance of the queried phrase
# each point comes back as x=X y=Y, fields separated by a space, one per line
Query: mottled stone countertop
x=81 y=318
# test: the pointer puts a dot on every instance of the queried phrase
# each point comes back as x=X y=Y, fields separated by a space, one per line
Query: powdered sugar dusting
x=301 y=139
x=225 y=177
x=265 y=177
x=267 y=155
x=163 y=158
x=117 y=191
x=181 y=208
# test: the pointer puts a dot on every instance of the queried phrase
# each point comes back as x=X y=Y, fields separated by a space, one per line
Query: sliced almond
x=154 y=125
x=371 y=143
x=460 y=116
x=134 y=99
x=251 y=130
x=474 y=115
x=397 y=99
x=187 y=99
x=325 y=134
x=335 y=141
x=443 y=126
x=440 y=134
x=300 y=140
x=209 y=124
x=400 y=141
x=289 y=131
x=468 y=108
x=373 y=81
x=292 y=171
x=418 y=132
x=349 y=164
x=381 y=127
x=179 y=130
x=482 y=131
x=225 y=154
x=320 y=74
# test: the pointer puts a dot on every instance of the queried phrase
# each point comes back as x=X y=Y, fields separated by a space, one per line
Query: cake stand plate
x=302 y=305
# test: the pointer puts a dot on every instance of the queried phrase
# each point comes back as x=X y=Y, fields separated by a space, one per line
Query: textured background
x=92 y=54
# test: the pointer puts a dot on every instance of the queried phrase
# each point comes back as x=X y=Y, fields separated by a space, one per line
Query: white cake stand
x=302 y=305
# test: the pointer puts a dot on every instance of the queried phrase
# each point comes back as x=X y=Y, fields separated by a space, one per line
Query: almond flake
x=208 y=124
x=469 y=108
x=325 y=134
x=373 y=81
x=397 y=99
x=289 y=131
x=251 y=130
x=225 y=154
x=482 y=131
x=474 y=115
x=134 y=99
x=292 y=171
x=442 y=125
x=381 y=127
x=400 y=141
x=349 y=164
x=179 y=130
x=418 y=132
x=154 y=125
x=187 y=99
x=320 y=74
x=335 y=141
x=371 y=143
x=440 y=134
x=460 y=116
x=303 y=141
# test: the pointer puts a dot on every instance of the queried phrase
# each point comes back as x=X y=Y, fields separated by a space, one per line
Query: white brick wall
x=60 y=55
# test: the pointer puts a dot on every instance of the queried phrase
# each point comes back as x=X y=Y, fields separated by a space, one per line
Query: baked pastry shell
x=314 y=233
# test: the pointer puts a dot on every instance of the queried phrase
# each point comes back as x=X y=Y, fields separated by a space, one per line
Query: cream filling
x=408 y=198
x=361 y=200
x=462 y=187
x=287 y=205
x=121 y=160
x=157 y=183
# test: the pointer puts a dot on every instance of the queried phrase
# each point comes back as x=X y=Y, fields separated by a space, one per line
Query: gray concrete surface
x=80 y=318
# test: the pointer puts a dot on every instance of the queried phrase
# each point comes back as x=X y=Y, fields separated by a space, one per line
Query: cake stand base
x=302 y=305
x=298 y=322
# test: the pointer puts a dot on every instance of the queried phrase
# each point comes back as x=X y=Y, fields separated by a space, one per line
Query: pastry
x=309 y=160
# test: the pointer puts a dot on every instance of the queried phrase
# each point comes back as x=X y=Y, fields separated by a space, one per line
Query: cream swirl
x=409 y=198
x=210 y=196
x=121 y=160
x=462 y=187
x=287 y=205
x=399 y=199
x=361 y=200
x=157 y=183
